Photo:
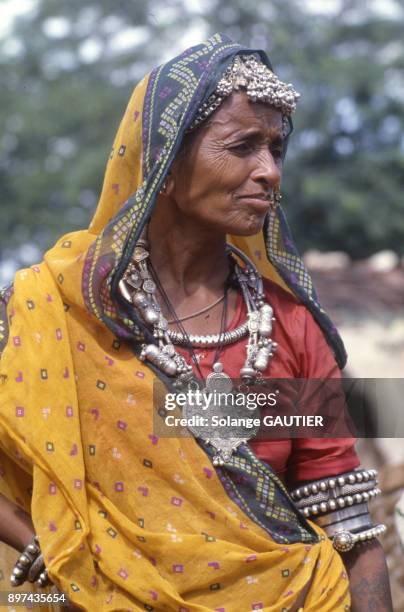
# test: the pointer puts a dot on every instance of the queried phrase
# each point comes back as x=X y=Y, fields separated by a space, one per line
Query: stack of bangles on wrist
x=30 y=566
x=339 y=505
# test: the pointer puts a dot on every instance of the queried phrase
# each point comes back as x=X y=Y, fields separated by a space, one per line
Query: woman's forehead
x=238 y=113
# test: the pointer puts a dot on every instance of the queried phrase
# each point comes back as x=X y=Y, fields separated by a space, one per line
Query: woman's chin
x=248 y=227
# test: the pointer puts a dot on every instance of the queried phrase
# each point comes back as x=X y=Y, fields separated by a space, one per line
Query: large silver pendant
x=218 y=381
x=218 y=405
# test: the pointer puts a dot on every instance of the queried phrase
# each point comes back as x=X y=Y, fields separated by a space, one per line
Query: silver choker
x=211 y=340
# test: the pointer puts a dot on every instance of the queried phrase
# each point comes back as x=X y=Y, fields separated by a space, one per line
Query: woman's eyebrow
x=251 y=133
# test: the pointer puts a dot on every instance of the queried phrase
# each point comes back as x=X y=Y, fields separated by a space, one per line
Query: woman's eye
x=245 y=148
x=277 y=153
x=240 y=148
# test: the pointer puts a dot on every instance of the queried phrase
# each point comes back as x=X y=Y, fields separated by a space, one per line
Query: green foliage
x=67 y=70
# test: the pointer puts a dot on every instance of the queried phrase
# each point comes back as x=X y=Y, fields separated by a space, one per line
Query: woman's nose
x=266 y=170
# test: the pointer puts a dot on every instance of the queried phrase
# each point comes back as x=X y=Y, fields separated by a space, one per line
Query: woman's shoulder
x=32 y=283
x=293 y=316
x=316 y=358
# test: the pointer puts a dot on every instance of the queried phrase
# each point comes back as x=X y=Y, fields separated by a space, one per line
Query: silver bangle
x=339 y=506
x=354 y=518
x=314 y=509
x=330 y=494
x=37 y=567
x=345 y=491
x=350 y=482
x=343 y=541
x=30 y=565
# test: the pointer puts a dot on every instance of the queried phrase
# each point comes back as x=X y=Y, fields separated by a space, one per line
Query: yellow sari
x=126 y=520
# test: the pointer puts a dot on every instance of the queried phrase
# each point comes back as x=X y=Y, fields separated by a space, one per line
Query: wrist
x=23 y=537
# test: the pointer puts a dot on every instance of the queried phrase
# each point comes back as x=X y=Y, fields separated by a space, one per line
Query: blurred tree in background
x=67 y=70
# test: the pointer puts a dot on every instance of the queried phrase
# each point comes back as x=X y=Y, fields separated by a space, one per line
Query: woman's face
x=226 y=173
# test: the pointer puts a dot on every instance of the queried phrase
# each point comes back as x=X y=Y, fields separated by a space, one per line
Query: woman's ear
x=167 y=186
x=170 y=183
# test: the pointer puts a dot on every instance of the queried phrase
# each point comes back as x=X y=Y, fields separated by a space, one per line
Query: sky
x=11 y=8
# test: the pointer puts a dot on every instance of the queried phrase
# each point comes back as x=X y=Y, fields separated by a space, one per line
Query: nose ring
x=275 y=198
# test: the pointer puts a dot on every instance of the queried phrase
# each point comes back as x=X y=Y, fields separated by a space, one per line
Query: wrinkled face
x=228 y=169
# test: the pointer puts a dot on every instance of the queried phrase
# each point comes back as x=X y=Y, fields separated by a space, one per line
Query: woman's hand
x=16 y=527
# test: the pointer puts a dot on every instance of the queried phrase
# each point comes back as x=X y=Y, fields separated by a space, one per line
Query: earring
x=275 y=199
x=163 y=188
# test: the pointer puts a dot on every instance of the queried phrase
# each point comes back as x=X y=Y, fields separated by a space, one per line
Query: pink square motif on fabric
x=214 y=564
x=123 y=573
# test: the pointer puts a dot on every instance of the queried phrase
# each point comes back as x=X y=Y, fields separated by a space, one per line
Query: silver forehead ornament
x=249 y=74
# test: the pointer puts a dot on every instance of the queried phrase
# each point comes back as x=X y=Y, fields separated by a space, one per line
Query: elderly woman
x=176 y=279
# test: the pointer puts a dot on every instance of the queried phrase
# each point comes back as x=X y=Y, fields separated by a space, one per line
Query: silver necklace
x=138 y=287
x=210 y=340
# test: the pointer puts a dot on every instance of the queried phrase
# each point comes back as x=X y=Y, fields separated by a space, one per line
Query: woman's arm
x=16 y=528
x=365 y=562
x=345 y=497
x=368 y=578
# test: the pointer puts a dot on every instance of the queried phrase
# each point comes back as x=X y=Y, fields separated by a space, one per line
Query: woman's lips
x=257 y=201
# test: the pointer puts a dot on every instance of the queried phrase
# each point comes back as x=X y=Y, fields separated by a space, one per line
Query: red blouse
x=302 y=353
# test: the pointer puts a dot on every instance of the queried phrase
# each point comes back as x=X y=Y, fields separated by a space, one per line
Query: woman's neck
x=192 y=267
x=187 y=258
